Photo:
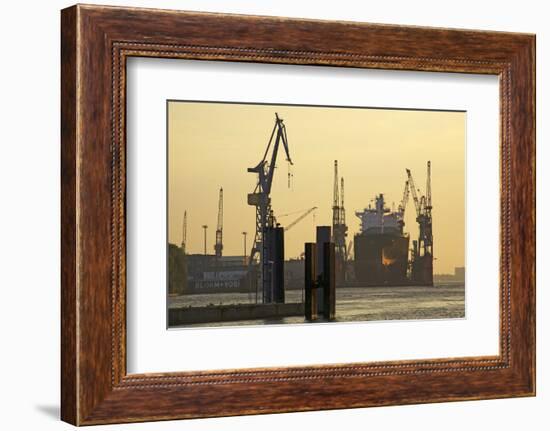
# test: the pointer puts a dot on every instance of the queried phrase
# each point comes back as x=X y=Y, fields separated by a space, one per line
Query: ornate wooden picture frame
x=96 y=41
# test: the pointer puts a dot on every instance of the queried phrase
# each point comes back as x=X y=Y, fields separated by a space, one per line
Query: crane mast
x=184 y=232
x=218 y=246
x=428 y=236
x=342 y=208
x=428 y=244
x=344 y=250
x=339 y=228
x=335 y=198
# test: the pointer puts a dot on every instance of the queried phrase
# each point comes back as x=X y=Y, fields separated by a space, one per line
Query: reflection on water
x=443 y=301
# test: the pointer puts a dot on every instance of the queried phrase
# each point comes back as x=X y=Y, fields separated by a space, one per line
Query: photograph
x=299 y=214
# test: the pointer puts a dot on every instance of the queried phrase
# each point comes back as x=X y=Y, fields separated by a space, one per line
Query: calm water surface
x=443 y=301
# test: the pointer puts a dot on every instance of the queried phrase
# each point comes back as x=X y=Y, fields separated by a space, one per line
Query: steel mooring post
x=329 y=281
x=310 y=281
x=322 y=235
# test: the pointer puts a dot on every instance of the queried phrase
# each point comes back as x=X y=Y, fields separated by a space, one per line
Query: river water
x=442 y=301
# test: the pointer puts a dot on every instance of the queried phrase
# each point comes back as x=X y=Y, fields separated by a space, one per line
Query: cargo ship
x=381 y=247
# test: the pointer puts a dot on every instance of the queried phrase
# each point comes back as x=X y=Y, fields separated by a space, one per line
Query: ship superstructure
x=380 y=219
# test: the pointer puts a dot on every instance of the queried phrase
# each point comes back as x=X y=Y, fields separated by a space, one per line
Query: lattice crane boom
x=412 y=188
x=264 y=169
x=405 y=199
x=335 y=194
x=299 y=219
x=342 y=207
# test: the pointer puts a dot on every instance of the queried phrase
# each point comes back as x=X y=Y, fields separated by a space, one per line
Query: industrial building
x=213 y=274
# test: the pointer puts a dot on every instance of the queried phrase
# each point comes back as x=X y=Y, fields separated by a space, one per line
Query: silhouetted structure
x=320 y=281
x=177 y=275
x=422 y=251
x=260 y=198
x=275 y=239
x=381 y=248
x=339 y=227
x=218 y=246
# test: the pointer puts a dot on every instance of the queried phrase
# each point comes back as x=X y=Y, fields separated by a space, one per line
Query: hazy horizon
x=211 y=145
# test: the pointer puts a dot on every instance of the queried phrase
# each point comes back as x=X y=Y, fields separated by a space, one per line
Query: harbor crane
x=339 y=227
x=422 y=259
x=218 y=246
x=260 y=198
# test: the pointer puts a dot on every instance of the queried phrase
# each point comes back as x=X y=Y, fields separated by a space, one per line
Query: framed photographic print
x=268 y=215
x=227 y=284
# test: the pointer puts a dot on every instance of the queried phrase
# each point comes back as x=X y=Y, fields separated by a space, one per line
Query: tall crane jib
x=422 y=253
x=218 y=246
x=300 y=218
x=262 y=249
x=403 y=206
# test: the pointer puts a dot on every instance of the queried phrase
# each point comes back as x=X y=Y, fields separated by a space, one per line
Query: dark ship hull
x=381 y=259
